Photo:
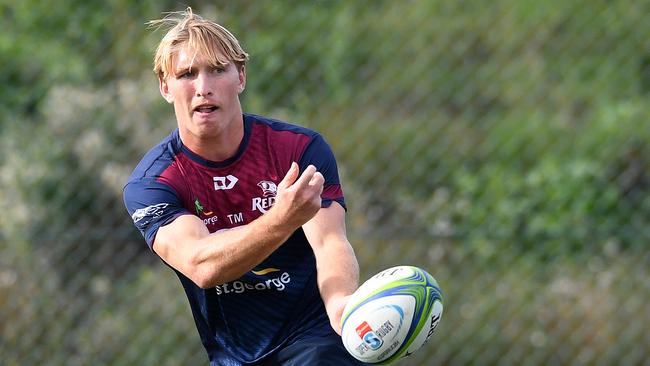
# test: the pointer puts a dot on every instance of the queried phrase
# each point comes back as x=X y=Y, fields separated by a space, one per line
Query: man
x=247 y=210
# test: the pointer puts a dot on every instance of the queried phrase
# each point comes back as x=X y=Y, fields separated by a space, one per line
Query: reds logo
x=269 y=189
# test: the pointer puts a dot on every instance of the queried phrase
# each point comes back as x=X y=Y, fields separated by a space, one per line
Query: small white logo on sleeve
x=224 y=183
x=149 y=213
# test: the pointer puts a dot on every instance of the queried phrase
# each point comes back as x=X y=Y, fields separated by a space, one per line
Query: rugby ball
x=391 y=315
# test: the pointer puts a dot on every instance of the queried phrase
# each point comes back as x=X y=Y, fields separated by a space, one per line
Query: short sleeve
x=320 y=154
x=151 y=204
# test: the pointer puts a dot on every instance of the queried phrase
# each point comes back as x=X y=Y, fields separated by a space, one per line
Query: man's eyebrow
x=182 y=69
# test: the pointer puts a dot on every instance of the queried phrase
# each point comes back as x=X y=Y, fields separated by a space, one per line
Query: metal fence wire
x=503 y=146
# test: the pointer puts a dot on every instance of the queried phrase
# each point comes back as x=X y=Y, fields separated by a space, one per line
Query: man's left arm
x=336 y=264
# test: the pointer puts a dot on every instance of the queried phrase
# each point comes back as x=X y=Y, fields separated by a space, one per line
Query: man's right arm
x=210 y=259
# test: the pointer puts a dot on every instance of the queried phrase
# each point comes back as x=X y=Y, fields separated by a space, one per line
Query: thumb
x=290 y=177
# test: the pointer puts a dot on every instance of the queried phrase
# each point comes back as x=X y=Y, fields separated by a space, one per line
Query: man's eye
x=219 y=70
x=187 y=74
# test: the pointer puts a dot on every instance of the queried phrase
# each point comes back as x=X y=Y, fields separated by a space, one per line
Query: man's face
x=205 y=97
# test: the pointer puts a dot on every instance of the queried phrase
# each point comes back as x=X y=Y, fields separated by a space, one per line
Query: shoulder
x=287 y=138
x=157 y=159
x=277 y=125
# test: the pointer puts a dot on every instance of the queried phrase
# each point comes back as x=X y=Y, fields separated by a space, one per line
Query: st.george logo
x=223 y=183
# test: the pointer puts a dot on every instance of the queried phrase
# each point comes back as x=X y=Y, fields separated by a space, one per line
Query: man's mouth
x=208 y=108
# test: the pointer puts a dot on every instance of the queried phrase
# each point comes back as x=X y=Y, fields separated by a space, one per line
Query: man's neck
x=218 y=147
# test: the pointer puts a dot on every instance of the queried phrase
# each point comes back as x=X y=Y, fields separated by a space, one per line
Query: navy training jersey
x=276 y=302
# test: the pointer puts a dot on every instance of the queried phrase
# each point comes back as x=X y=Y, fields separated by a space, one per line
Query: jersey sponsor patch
x=277 y=283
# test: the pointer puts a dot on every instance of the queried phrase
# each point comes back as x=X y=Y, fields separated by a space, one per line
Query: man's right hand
x=299 y=196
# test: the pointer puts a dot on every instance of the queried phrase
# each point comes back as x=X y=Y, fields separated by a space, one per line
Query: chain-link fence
x=503 y=145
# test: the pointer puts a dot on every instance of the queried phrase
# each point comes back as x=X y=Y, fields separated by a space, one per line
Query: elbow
x=208 y=271
x=203 y=282
x=203 y=279
x=202 y=274
x=207 y=278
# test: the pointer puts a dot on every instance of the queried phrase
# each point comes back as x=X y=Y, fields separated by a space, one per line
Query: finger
x=290 y=177
x=306 y=177
x=317 y=181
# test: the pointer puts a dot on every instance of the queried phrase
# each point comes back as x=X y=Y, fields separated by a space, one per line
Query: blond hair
x=207 y=38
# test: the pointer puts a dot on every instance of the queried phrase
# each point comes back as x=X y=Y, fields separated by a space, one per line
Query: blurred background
x=502 y=145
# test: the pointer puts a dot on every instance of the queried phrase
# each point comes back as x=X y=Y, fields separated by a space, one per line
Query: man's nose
x=203 y=85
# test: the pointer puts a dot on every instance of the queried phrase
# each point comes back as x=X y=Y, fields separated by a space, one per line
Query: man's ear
x=164 y=89
x=242 y=78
